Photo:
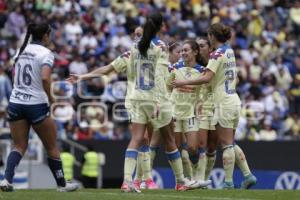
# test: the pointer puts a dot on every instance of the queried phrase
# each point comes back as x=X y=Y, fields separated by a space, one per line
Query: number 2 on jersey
x=229 y=79
x=145 y=76
x=26 y=77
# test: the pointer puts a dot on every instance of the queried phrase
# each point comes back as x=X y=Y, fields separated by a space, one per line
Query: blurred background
x=87 y=34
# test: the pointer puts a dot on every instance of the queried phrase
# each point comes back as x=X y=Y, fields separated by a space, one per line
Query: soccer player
x=29 y=106
x=184 y=100
x=175 y=61
x=208 y=137
x=146 y=64
x=205 y=107
x=221 y=74
x=143 y=166
x=174 y=56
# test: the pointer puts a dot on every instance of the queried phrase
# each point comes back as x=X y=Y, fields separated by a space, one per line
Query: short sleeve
x=215 y=61
x=48 y=60
x=120 y=63
x=163 y=58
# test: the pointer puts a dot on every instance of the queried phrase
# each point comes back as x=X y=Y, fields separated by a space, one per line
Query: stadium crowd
x=89 y=33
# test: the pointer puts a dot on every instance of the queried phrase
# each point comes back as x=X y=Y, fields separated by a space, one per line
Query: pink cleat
x=150 y=184
x=181 y=187
x=137 y=183
x=129 y=187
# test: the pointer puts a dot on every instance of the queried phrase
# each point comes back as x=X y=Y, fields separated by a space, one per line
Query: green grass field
x=115 y=194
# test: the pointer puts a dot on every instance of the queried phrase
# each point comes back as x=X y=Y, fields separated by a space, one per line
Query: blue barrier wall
x=270 y=161
x=266 y=179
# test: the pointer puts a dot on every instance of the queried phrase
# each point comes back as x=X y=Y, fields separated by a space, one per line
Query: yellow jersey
x=184 y=98
x=222 y=63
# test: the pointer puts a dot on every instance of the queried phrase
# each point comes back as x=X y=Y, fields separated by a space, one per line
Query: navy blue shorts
x=32 y=113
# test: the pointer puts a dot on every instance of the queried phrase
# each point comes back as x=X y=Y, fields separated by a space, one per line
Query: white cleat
x=203 y=183
x=190 y=184
x=70 y=187
x=5 y=186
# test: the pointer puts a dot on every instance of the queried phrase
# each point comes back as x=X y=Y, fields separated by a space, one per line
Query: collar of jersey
x=223 y=47
x=155 y=40
x=36 y=42
x=181 y=64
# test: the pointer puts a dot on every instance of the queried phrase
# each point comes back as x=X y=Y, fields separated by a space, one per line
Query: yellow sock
x=129 y=164
x=228 y=162
x=153 y=151
x=210 y=162
x=139 y=171
x=195 y=171
x=176 y=165
x=241 y=161
x=201 y=166
x=146 y=165
x=186 y=163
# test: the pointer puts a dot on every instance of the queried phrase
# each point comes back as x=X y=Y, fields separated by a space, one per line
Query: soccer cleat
x=181 y=187
x=129 y=187
x=248 y=182
x=191 y=184
x=5 y=186
x=137 y=183
x=227 y=186
x=203 y=183
x=150 y=184
x=70 y=187
x=143 y=185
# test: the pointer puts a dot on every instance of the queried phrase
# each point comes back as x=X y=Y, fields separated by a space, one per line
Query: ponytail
x=27 y=36
x=37 y=31
x=151 y=27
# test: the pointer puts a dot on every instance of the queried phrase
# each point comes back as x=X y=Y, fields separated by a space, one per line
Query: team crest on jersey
x=126 y=54
x=188 y=75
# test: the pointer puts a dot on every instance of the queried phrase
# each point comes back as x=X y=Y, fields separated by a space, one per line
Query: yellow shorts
x=186 y=125
x=205 y=119
x=143 y=112
x=227 y=117
x=128 y=106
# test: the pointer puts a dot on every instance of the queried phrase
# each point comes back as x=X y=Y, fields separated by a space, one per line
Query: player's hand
x=73 y=78
x=177 y=83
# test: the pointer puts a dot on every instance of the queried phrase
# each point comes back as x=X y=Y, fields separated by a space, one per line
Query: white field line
x=175 y=196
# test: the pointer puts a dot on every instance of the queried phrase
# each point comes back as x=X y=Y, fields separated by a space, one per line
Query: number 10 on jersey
x=145 y=76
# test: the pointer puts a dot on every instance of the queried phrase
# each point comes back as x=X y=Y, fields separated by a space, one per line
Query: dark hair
x=221 y=32
x=37 y=31
x=201 y=60
x=151 y=27
x=173 y=45
x=195 y=47
x=206 y=39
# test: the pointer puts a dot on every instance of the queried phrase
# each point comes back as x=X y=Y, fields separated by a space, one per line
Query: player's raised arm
x=97 y=72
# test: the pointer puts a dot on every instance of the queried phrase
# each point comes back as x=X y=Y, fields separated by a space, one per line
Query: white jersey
x=28 y=87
